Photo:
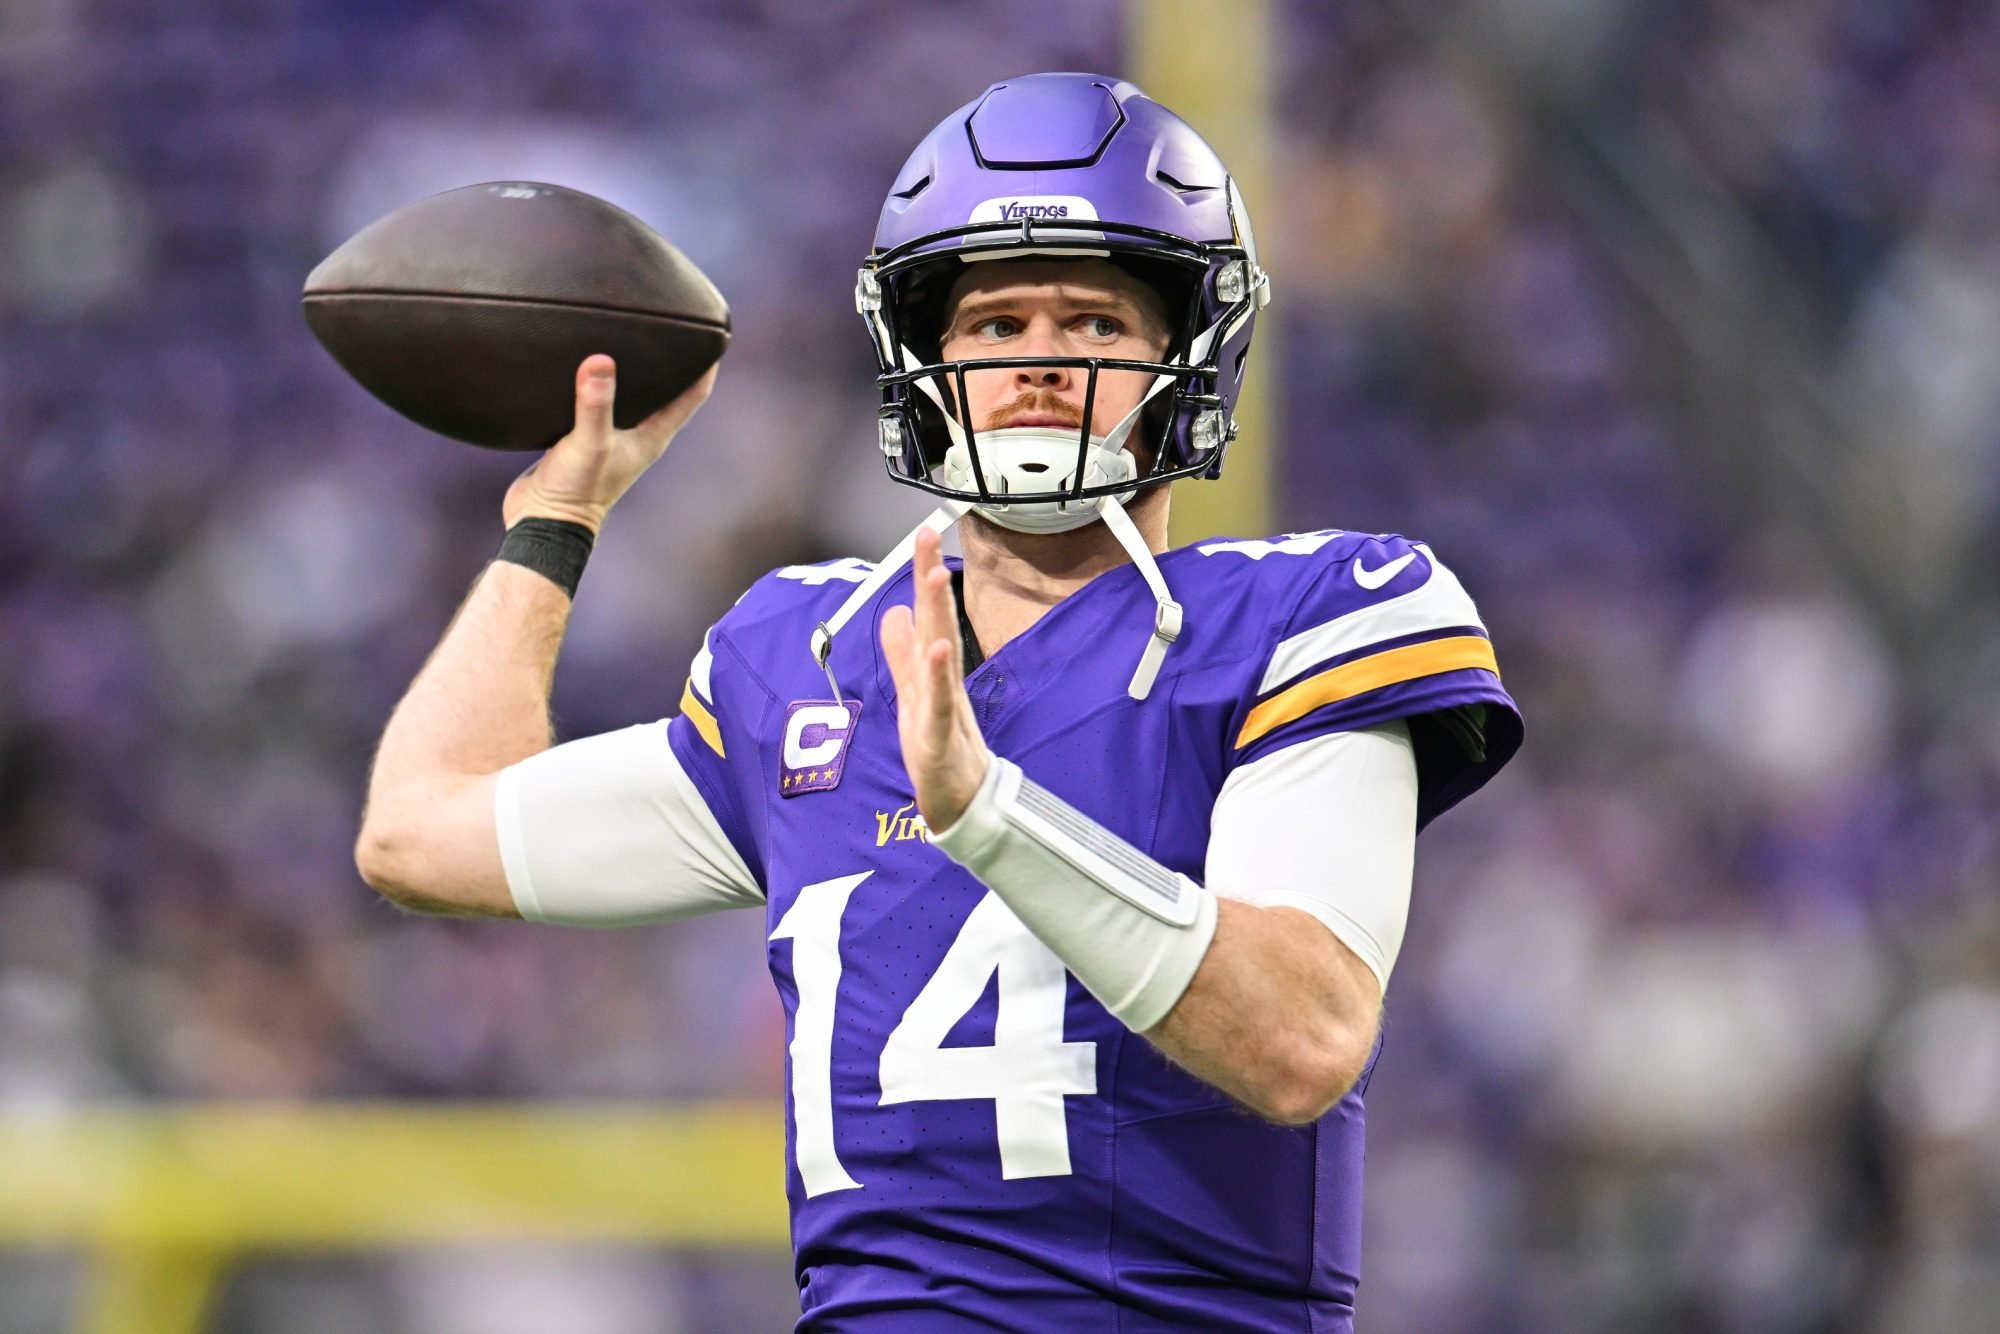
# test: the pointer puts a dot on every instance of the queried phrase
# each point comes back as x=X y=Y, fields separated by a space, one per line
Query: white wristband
x=1131 y=930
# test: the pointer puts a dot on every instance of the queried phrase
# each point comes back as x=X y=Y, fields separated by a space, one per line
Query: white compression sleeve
x=1327 y=826
x=1132 y=931
x=610 y=830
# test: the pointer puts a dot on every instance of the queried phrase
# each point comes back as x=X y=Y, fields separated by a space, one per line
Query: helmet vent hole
x=1032 y=467
x=1181 y=186
x=922 y=185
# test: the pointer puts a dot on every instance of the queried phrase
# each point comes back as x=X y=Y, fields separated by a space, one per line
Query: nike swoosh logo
x=1371 y=579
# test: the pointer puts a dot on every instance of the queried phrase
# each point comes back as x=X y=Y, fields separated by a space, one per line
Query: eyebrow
x=974 y=308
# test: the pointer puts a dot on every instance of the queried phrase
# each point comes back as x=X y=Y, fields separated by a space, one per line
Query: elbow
x=1310 y=1077
x=1298 y=1101
x=383 y=857
x=434 y=851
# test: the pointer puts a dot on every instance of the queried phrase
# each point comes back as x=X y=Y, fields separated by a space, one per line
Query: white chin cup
x=1036 y=458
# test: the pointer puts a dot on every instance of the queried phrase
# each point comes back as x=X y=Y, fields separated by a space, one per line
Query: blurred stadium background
x=1675 y=325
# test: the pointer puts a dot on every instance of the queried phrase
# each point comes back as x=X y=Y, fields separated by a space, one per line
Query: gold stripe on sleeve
x=704 y=722
x=1366 y=674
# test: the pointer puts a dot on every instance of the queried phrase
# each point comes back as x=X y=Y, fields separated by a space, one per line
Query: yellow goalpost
x=161 y=1201
x=1213 y=64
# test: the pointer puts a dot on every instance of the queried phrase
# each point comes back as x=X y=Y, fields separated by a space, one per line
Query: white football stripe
x=1441 y=604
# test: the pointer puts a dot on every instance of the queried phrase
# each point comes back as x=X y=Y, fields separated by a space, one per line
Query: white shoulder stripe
x=1440 y=604
x=704 y=663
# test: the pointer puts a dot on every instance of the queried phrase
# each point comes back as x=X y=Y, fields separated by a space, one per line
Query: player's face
x=1052 y=308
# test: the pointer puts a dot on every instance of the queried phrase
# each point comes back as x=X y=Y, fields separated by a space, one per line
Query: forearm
x=1280 y=1015
x=479 y=704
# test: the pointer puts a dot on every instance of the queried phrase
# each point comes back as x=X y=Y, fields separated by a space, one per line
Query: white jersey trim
x=611 y=831
x=1441 y=603
x=700 y=670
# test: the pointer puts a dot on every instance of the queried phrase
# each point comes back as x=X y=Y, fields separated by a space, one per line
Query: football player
x=1084 y=861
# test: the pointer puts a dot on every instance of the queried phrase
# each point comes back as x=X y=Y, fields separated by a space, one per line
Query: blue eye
x=1101 y=326
x=1000 y=326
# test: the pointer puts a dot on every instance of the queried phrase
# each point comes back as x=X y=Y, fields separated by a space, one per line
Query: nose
x=1040 y=343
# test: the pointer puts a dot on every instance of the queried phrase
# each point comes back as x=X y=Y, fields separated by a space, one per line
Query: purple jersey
x=975 y=1143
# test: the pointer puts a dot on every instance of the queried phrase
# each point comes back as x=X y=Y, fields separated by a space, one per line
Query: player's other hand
x=583 y=474
x=942 y=748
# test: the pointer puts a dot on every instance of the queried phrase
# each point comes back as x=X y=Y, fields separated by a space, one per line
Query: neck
x=1012 y=578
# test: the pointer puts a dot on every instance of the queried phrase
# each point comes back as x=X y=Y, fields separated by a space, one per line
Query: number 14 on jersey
x=1026 y=1071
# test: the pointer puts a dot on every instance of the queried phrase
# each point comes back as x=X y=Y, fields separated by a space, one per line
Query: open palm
x=942 y=747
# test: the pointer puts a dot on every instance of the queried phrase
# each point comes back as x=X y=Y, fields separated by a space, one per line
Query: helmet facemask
x=1042 y=478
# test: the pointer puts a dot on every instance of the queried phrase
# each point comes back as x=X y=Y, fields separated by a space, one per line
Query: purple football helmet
x=1062 y=165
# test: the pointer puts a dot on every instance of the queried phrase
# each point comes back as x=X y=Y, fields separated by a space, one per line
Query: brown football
x=468 y=312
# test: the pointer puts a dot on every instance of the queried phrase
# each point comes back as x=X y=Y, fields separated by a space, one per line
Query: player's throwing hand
x=942 y=748
x=584 y=473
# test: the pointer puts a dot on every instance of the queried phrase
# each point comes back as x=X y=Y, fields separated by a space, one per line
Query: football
x=469 y=312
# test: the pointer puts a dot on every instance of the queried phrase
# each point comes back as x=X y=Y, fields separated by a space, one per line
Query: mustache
x=1041 y=402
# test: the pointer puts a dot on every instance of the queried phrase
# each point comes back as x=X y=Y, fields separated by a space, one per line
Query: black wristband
x=553 y=548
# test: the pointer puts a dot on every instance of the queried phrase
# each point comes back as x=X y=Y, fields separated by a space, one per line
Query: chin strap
x=1166 y=612
x=1166 y=616
x=939 y=520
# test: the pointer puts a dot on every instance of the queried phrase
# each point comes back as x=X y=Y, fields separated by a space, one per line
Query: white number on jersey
x=1027 y=1069
x=1256 y=548
x=812 y=924
x=848 y=569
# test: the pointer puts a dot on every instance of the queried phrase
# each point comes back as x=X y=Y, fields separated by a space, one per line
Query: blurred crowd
x=1698 y=1023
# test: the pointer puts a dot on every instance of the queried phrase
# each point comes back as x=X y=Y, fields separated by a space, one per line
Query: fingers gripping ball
x=469 y=312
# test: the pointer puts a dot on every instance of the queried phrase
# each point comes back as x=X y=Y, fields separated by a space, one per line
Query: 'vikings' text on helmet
x=1061 y=165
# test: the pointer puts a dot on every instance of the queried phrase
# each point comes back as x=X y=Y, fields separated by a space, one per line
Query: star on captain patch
x=817 y=733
